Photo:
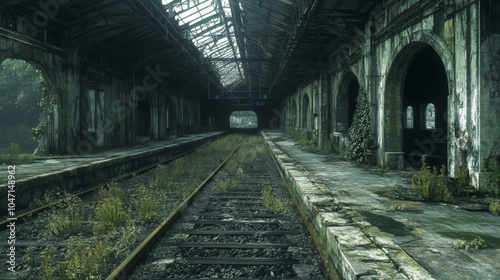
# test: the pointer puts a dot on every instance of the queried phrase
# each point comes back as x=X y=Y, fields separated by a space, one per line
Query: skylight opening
x=211 y=34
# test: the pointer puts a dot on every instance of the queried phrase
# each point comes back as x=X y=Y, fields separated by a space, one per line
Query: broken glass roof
x=206 y=24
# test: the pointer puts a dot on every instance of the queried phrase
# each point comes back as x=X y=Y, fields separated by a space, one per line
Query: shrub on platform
x=360 y=131
x=494 y=207
x=492 y=175
x=430 y=183
x=476 y=244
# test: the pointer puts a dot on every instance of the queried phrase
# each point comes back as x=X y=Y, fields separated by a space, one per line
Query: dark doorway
x=346 y=101
x=425 y=103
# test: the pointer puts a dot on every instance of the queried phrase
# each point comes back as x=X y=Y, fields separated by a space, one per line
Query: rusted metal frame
x=121 y=271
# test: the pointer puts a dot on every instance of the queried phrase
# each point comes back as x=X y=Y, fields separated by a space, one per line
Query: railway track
x=224 y=231
x=229 y=232
x=54 y=241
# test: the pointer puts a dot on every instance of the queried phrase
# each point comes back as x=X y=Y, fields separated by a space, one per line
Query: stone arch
x=49 y=142
x=346 y=101
x=393 y=112
x=22 y=96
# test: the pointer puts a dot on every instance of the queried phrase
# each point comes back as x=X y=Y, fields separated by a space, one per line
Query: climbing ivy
x=360 y=131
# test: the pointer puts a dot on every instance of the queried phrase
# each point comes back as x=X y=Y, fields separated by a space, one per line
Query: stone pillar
x=323 y=107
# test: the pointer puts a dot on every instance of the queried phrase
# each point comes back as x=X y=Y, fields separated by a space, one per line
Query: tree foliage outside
x=20 y=92
x=360 y=130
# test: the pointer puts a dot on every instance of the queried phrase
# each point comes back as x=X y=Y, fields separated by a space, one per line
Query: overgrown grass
x=11 y=155
x=431 y=184
x=86 y=258
x=274 y=203
x=68 y=219
x=120 y=215
x=49 y=267
x=149 y=204
x=494 y=207
x=226 y=184
x=110 y=213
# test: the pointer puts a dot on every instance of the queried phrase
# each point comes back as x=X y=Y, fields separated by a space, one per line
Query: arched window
x=430 y=116
x=409 y=117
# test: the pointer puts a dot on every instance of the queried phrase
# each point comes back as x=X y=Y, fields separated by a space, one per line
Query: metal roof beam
x=221 y=9
x=240 y=40
x=189 y=26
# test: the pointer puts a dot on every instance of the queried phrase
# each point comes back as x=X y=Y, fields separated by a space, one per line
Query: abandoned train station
x=118 y=70
x=400 y=78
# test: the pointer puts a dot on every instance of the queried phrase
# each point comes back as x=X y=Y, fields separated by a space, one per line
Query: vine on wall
x=360 y=130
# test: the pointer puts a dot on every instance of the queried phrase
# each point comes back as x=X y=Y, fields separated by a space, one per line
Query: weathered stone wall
x=62 y=78
x=93 y=97
x=379 y=57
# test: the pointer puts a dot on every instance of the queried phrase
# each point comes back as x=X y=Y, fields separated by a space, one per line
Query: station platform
x=365 y=239
x=78 y=172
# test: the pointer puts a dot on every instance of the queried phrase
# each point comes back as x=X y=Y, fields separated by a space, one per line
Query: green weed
x=11 y=155
x=86 y=258
x=492 y=175
x=476 y=244
x=494 y=207
x=49 y=266
x=67 y=219
x=224 y=185
x=431 y=184
x=149 y=204
x=275 y=204
x=397 y=207
x=110 y=213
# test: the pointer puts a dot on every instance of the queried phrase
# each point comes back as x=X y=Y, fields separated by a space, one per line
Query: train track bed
x=241 y=226
x=86 y=238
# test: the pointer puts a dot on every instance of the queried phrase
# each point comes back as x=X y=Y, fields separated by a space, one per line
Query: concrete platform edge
x=344 y=235
x=79 y=178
